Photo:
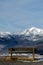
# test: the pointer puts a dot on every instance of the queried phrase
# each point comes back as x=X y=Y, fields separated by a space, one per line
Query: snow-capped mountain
x=29 y=37
x=4 y=34
x=33 y=34
x=33 y=31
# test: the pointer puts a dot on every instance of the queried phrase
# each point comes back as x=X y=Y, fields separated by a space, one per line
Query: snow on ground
x=39 y=57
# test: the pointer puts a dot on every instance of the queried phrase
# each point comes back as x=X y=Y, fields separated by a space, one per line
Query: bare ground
x=3 y=62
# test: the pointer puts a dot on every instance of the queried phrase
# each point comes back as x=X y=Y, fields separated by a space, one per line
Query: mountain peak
x=33 y=31
x=34 y=28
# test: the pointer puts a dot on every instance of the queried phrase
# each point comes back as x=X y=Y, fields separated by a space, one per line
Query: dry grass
x=3 y=62
x=19 y=58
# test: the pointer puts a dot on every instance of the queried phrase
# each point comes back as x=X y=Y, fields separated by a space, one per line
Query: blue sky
x=17 y=15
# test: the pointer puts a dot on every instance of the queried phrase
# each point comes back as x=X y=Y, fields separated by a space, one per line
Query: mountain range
x=29 y=37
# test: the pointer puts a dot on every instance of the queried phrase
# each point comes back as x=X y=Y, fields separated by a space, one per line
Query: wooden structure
x=22 y=50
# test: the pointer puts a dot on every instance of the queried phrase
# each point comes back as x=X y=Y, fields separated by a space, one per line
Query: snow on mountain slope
x=5 y=34
x=32 y=31
x=29 y=34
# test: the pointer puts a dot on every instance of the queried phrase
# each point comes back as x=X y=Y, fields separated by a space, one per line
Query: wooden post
x=33 y=53
x=11 y=54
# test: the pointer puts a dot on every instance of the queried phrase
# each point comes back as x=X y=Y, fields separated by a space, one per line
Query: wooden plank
x=21 y=49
